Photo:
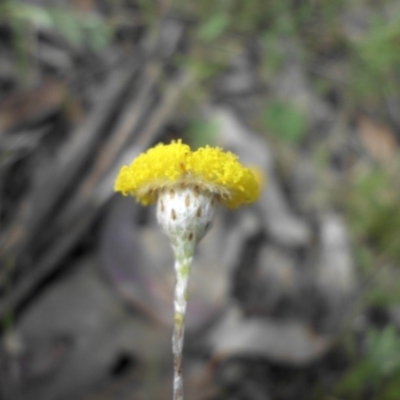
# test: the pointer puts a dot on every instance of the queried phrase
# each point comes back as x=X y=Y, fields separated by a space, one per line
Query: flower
x=187 y=187
x=208 y=169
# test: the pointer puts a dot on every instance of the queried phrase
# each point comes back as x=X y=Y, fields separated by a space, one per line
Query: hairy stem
x=183 y=262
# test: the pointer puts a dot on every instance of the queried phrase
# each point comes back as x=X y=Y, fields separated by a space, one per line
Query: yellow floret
x=222 y=169
x=209 y=168
x=159 y=165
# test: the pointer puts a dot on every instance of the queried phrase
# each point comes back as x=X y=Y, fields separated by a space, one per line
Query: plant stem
x=183 y=262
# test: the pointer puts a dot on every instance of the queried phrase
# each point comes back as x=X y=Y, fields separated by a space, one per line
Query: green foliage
x=202 y=132
x=204 y=66
x=81 y=30
x=370 y=65
x=384 y=349
x=285 y=121
x=88 y=30
x=377 y=48
x=243 y=16
x=78 y=30
x=376 y=59
x=273 y=54
x=213 y=27
x=372 y=206
x=378 y=372
x=373 y=211
x=355 y=380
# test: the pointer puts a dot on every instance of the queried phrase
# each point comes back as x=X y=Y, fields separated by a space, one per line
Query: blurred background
x=295 y=297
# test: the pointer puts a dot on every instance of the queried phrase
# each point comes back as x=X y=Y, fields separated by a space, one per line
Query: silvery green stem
x=183 y=262
x=186 y=214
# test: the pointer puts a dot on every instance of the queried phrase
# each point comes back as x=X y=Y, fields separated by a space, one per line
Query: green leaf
x=384 y=348
x=354 y=381
x=202 y=132
x=285 y=121
x=29 y=13
x=213 y=27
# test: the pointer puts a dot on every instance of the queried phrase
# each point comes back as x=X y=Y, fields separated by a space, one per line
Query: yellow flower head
x=209 y=169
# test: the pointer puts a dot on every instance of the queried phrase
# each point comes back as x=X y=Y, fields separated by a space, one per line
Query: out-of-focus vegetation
x=374 y=214
x=365 y=54
x=285 y=121
x=78 y=30
x=377 y=374
x=376 y=61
